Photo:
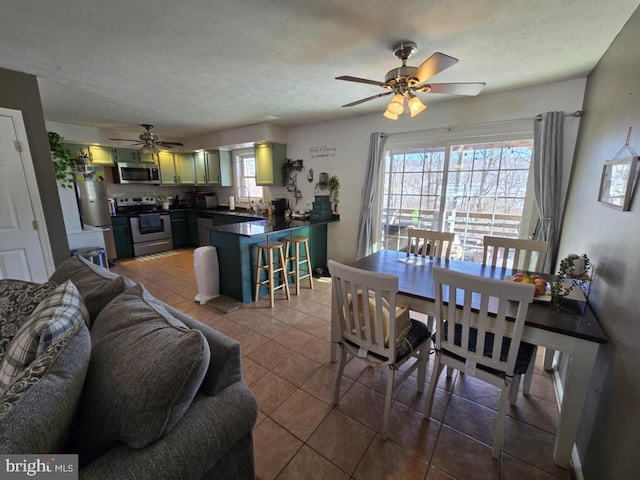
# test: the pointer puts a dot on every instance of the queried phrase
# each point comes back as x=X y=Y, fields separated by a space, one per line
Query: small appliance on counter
x=206 y=200
x=279 y=206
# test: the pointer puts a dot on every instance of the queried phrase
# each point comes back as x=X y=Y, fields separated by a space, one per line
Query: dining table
x=572 y=329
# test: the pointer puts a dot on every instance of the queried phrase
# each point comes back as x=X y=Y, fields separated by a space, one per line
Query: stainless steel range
x=150 y=224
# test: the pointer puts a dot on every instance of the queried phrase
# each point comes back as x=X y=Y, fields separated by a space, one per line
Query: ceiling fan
x=149 y=141
x=404 y=82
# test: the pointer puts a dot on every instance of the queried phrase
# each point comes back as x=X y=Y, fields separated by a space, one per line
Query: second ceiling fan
x=405 y=81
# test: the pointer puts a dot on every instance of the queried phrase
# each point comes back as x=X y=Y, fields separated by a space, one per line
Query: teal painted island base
x=237 y=252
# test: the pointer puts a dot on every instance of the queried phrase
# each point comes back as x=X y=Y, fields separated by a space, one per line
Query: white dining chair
x=474 y=336
x=516 y=253
x=373 y=328
x=519 y=254
x=429 y=243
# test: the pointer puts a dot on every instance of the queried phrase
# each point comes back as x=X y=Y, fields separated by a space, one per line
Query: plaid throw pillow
x=52 y=318
x=18 y=299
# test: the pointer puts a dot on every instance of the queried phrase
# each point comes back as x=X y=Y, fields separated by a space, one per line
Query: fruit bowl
x=543 y=288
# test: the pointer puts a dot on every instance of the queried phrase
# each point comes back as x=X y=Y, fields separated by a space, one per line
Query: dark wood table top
x=576 y=319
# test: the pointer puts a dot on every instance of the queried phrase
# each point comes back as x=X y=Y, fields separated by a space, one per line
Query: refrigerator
x=93 y=203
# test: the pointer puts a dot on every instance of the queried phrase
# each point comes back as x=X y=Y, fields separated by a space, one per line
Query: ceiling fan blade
x=358 y=102
x=452 y=88
x=349 y=78
x=433 y=65
x=169 y=144
x=125 y=140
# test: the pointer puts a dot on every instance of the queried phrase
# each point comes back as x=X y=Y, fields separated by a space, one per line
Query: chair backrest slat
x=516 y=253
x=482 y=311
x=429 y=243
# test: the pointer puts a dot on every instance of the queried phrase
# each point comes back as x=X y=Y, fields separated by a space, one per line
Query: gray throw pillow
x=146 y=368
x=18 y=299
x=36 y=411
x=97 y=285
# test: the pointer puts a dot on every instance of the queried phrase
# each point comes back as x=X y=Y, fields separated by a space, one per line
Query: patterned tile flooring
x=299 y=435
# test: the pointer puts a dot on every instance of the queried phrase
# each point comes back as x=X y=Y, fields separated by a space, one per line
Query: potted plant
x=573 y=269
x=63 y=164
x=334 y=191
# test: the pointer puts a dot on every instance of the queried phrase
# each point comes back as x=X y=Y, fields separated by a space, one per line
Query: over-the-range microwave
x=137 y=173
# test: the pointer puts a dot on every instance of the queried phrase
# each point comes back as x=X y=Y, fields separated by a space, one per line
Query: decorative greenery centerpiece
x=573 y=268
x=63 y=164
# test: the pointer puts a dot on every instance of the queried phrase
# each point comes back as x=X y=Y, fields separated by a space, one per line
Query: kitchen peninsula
x=235 y=244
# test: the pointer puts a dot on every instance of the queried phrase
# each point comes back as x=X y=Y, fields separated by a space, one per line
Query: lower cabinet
x=192 y=228
x=179 y=229
x=122 y=236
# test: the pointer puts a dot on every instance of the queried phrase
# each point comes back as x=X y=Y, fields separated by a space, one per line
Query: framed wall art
x=618 y=182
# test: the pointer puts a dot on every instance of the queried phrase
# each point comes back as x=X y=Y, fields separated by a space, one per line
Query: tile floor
x=299 y=435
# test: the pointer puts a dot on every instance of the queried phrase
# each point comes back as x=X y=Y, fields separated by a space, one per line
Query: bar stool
x=271 y=266
x=298 y=261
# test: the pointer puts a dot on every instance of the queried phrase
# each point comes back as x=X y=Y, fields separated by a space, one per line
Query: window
x=244 y=174
x=472 y=189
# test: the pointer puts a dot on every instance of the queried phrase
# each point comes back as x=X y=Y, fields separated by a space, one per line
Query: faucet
x=248 y=193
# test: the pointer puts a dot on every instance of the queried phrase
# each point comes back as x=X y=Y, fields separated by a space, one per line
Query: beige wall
x=19 y=91
x=608 y=437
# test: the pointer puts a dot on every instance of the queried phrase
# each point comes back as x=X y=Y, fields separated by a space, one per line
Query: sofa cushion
x=52 y=318
x=18 y=299
x=37 y=409
x=145 y=370
x=97 y=285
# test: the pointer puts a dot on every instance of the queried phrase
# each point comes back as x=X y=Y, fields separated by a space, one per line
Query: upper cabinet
x=270 y=158
x=213 y=167
x=185 y=168
x=177 y=169
x=168 y=175
x=132 y=155
x=101 y=155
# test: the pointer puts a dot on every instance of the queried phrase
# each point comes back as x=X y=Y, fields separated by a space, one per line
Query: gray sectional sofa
x=91 y=363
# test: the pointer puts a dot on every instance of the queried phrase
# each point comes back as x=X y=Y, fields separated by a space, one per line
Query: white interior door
x=25 y=253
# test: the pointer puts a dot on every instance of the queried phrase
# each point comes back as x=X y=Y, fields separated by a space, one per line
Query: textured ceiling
x=201 y=66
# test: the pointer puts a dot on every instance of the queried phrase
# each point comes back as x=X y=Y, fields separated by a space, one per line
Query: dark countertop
x=271 y=225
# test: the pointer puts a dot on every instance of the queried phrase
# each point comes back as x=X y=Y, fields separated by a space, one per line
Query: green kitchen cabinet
x=201 y=168
x=177 y=168
x=101 y=155
x=185 y=168
x=213 y=167
x=168 y=175
x=270 y=158
x=192 y=228
x=122 y=236
x=127 y=155
x=179 y=229
x=132 y=155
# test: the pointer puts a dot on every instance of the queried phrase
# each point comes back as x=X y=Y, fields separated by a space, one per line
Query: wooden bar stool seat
x=271 y=260
x=300 y=261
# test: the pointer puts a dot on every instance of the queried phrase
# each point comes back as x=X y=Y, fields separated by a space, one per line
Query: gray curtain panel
x=547 y=170
x=367 y=221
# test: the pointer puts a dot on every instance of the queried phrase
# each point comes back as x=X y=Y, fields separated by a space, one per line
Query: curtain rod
x=577 y=113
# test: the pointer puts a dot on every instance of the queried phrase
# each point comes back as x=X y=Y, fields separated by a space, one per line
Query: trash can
x=205 y=264
x=95 y=255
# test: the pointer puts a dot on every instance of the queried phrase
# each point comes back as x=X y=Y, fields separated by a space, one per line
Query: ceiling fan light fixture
x=149 y=149
x=389 y=115
x=396 y=105
x=416 y=106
